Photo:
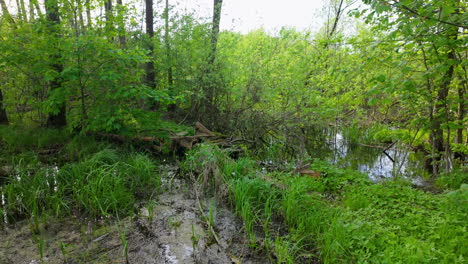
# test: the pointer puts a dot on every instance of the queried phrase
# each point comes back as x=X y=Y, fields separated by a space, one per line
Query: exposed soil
x=169 y=231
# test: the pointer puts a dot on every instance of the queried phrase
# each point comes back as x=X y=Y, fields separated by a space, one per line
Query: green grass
x=19 y=139
x=341 y=217
x=107 y=183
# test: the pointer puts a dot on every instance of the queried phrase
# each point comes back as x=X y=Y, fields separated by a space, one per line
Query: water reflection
x=376 y=161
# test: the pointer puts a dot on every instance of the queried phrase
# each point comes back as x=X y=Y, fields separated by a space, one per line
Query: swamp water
x=378 y=162
x=169 y=230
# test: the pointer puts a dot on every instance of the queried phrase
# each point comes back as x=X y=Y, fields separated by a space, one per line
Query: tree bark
x=170 y=79
x=121 y=11
x=215 y=28
x=80 y=15
x=108 y=15
x=56 y=118
x=150 y=72
x=211 y=85
x=439 y=117
x=88 y=13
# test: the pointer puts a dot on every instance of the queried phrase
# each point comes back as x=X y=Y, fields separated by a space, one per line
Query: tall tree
x=150 y=71
x=121 y=23
x=211 y=85
x=217 y=7
x=170 y=78
x=434 y=27
x=58 y=116
x=9 y=19
x=108 y=15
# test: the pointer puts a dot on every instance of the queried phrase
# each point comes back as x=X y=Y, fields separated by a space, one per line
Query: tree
x=6 y=13
x=9 y=18
x=429 y=31
x=150 y=71
x=58 y=115
x=211 y=85
x=170 y=78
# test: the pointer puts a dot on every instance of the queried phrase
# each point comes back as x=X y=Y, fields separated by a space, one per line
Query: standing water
x=378 y=162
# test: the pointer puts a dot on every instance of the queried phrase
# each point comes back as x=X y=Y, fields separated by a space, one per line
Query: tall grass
x=342 y=217
x=107 y=183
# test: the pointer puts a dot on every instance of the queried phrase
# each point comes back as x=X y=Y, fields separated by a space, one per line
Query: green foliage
x=102 y=185
x=452 y=180
x=343 y=216
x=18 y=139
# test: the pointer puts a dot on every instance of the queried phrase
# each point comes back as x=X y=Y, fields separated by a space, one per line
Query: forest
x=139 y=132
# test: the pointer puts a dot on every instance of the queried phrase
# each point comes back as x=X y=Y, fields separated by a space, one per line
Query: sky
x=246 y=15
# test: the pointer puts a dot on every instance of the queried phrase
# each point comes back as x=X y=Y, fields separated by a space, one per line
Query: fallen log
x=179 y=142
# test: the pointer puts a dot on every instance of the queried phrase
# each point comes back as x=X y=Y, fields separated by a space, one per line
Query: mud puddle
x=168 y=230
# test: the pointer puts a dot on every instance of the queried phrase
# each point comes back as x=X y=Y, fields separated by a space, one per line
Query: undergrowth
x=340 y=217
x=99 y=182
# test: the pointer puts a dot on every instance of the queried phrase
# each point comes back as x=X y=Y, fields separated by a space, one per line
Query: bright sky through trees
x=246 y=15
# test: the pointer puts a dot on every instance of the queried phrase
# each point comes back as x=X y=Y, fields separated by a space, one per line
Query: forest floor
x=170 y=230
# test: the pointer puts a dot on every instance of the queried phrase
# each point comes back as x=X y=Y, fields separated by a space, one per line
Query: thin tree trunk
x=6 y=13
x=108 y=14
x=461 y=116
x=88 y=13
x=215 y=29
x=337 y=18
x=439 y=116
x=170 y=80
x=121 y=22
x=38 y=8
x=31 y=10
x=80 y=15
x=58 y=118
x=23 y=10
x=150 y=72
x=211 y=86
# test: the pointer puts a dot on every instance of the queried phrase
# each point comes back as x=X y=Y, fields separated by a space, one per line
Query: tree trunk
x=31 y=10
x=170 y=80
x=150 y=73
x=80 y=15
x=23 y=10
x=439 y=116
x=88 y=13
x=56 y=118
x=38 y=8
x=108 y=14
x=3 y=114
x=215 y=29
x=6 y=13
x=460 y=117
x=211 y=85
x=121 y=22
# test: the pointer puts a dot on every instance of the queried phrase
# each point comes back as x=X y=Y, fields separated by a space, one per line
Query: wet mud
x=169 y=230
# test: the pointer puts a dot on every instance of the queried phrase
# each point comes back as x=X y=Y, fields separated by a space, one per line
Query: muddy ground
x=170 y=230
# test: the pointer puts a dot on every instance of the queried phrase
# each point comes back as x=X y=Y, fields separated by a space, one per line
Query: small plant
x=195 y=238
x=123 y=241
x=150 y=207
x=64 y=250
x=211 y=213
x=39 y=238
